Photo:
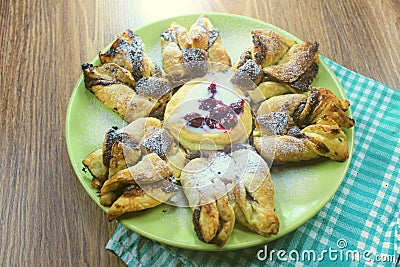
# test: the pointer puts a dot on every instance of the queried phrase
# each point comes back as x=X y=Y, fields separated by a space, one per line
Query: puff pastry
x=253 y=193
x=300 y=127
x=319 y=103
x=213 y=215
x=201 y=141
x=144 y=185
x=135 y=198
x=116 y=88
x=269 y=47
x=121 y=148
x=224 y=188
x=180 y=59
x=188 y=54
x=205 y=36
x=128 y=51
x=275 y=65
x=297 y=68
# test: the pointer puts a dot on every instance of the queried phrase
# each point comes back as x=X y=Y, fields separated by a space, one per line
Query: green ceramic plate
x=300 y=191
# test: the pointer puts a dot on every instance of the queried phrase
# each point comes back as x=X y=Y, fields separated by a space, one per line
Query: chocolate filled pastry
x=252 y=195
x=128 y=51
x=225 y=188
x=188 y=54
x=248 y=75
x=116 y=88
x=181 y=61
x=204 y=115
x=121 y=148
x=136 y=167
x=276 y=65
x=297 y=68
x=205 y=36
x=299 y=127
x=213 y=215
x=164 y=145
x=267 y=48
x=141 y=186
x=173 y=40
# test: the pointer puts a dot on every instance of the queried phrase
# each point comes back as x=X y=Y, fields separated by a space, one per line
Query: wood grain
x=46 y=217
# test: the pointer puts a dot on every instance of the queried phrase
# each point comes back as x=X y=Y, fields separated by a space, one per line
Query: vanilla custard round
x=203 y=133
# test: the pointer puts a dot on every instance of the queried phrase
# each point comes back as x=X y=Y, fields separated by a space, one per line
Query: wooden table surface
x=47 y=219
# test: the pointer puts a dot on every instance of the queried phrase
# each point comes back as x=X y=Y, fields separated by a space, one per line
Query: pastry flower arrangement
x=207 y=130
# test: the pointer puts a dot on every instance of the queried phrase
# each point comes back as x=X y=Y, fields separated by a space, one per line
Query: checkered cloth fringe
x=359 y=226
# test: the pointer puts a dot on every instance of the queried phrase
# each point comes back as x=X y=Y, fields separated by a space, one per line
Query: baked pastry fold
x=224 y=188
x=116 y=88
x=253 y=193
x=121 y=148
x=297 y=68
x=275 y=65
x=323 y=139
x=144 y=185
x=135 y=167
x=189 y=54
x=150 y=169
x=128 y=51
x=269 y=47
x=299 y=127
x=205 y=36
x=213 y=216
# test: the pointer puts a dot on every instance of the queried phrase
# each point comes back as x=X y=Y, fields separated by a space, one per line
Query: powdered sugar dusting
x=291 y=184
x=160 y=142
x=152 y=87
x=98 y=121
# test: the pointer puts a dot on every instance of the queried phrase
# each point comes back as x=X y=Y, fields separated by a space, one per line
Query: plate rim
x=209 y=247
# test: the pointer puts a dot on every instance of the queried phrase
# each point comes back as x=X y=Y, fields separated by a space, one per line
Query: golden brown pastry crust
x=268 y=47
x=287 y=67
x=213 y=216
x=115 y=87
x=321 y=139
x=98 y=162
x=173 y=40
x=284 y=148
x=141 y=128
x=187 y=54
x=254 y=194
x=141 y=186
x=206 y=221
x=207 y=37
x=321 y=103
x=223 y=188
x=268 y=89
x=106 y=74
x=282 y=103
x=119 y=150
x=298 y=127
x=295 y=63
x=135 y=198
x=94 y=163
x=226 y=221
x=128 y=51
x=150 y=169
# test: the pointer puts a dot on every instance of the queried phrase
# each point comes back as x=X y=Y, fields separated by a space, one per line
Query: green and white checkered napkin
x=359 y=226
